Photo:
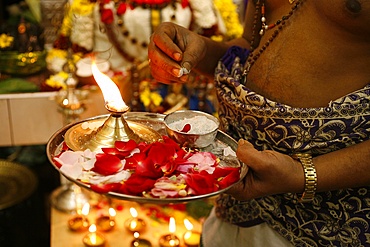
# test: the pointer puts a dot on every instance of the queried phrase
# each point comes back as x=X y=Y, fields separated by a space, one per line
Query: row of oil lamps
x=105 y=223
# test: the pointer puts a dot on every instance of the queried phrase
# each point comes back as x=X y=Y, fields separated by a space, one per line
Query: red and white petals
x=159 y=169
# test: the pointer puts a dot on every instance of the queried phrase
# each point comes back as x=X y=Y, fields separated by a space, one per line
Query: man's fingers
x=164 y=41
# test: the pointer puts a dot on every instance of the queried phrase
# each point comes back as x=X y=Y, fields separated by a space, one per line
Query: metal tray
x=154 y=121
x=17 y=182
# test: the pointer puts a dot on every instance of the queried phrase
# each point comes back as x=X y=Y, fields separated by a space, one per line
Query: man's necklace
x=278 y=26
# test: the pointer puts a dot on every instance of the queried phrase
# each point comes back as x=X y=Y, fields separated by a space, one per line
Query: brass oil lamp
x=95 y=134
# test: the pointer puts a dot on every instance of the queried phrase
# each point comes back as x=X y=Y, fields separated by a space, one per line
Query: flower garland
x=148 y=97
x=155 y=170
x=229 y=14
x=57 y=81
x=78 y=8
x=106 y=7
x=6 y=40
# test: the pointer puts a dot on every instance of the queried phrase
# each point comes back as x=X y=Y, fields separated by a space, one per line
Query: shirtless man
x=311 y=83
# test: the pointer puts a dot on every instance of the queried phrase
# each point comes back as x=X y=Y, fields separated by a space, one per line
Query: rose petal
x=107 y=164
x=136 y=185
x=186 y=128
x=123 y=146
x=73 y=171
x=230 y=178
x=200 y=183
x=105 y=188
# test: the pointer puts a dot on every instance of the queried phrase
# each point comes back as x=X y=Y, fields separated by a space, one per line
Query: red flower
x=146 y=167
x=122 y=7
x=163 y=155
x=121 y=149
x=184 y=3
x=200 y=183
x=159 y=169
x=136 y=185
x=105 y=188
x=226 y=176
x=107 y=164
x=125 y=146
x=106 y=16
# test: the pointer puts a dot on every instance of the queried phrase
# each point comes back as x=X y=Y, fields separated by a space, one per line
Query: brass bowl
x=192 y=139
x=28 y=63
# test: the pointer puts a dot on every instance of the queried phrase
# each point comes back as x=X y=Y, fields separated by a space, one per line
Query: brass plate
x=17 y=183
x=154 y=121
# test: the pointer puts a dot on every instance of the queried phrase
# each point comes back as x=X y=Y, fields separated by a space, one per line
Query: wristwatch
x=310 y=176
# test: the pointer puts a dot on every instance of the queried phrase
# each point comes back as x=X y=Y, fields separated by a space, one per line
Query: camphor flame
x=112 y=96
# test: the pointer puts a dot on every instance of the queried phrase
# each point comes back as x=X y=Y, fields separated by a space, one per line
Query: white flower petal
x=73 y=171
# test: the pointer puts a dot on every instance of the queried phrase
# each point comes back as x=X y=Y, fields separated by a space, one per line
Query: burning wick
x=170 y=240
x=106 y=223
x=140 y=242
x=135 y=224
x=80 y=222
x=191 y=238
x=93 y=238
x=112 y=96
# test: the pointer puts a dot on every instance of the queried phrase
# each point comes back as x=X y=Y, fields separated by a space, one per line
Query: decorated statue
x=119 y=30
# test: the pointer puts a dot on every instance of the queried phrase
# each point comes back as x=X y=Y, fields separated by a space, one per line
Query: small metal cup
x=186 y=139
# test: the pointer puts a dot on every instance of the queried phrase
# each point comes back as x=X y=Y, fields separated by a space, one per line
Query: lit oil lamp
x=135 y=224
x=140 y=242
x=114 y=127
x=80 y=222
x=93 y=238
x=170 y=240
x=191 y=238
x=106 y=223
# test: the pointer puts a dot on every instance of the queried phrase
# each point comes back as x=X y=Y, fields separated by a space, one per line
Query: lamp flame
x=112 y=212
x=112 y=96
x=188 y=225
x=133 y=212
x=85 y=209
x=172 y=225
x=92 y=228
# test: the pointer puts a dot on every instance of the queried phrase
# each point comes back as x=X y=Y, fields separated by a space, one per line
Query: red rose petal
x=201 y=183
x=107 y=164
x=107 y=16
x=136 y=185
x=105 y=188
x=115 y=152
x=122 y=7
x=230 y=175
x=186 y=128
x=125 y=146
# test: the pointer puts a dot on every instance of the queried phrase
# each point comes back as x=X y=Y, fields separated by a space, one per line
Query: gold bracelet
x=309 y=175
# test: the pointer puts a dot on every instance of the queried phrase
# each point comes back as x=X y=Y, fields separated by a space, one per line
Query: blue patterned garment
x=335 y=218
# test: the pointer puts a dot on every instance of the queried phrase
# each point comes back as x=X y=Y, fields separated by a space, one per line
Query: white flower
x=115 y=178
x=74 y=163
